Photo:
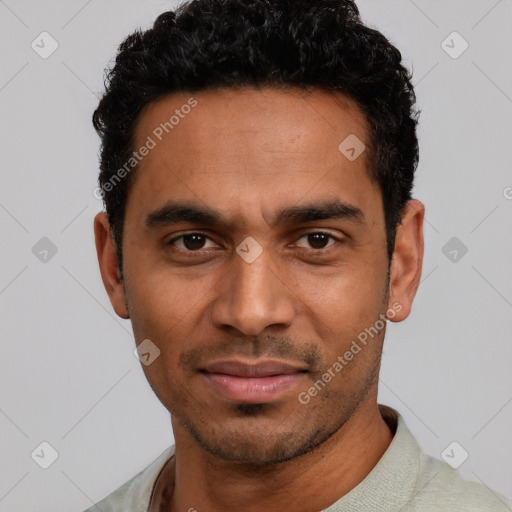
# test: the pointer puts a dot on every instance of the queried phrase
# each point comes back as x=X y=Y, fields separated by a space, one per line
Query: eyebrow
x=176 y=212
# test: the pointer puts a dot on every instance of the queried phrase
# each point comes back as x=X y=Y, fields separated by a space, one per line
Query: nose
x=252 y=297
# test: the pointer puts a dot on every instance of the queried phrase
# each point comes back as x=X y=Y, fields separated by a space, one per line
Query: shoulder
x=440 y=487
x=135 y=494
x=431 y=484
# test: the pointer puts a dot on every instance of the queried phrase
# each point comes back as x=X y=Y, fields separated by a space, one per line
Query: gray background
x=68 y=373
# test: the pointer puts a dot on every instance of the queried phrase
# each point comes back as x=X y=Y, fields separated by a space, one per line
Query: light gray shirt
x=404 y=479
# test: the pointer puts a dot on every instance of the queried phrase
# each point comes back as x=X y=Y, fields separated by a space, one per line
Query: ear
x=109 y=265
x=407 y=261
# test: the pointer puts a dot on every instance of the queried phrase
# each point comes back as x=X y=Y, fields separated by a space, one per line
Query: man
x=257 y=166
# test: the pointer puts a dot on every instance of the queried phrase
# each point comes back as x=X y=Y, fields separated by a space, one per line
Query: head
x=256 y=168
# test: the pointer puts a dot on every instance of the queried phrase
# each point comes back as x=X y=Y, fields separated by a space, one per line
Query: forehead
x=250 y=148
x=268 y=115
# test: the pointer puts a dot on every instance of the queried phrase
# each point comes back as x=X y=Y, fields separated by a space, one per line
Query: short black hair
x=208 y=44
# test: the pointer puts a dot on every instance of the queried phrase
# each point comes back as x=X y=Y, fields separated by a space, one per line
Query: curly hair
x=206 y=44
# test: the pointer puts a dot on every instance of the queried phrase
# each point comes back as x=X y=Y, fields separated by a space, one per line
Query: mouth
x=260 y=382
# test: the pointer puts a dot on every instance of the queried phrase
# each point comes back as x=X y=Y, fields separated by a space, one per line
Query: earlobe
x=109 y=265
x=406 y=265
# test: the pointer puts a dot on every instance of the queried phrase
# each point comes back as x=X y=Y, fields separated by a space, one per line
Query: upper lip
x=264 y=368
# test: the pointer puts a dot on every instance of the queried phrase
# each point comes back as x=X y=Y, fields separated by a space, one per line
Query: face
x=255 y=259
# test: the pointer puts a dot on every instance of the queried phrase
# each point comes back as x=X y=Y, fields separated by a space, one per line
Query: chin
x=256 y=446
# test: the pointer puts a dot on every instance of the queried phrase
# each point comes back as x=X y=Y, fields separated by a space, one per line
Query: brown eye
x=190 y=242
x=193 y=242
x=318 y=240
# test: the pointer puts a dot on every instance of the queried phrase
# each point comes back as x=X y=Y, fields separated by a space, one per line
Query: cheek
x=164 y=311
x=168 y=383
x=351 y=294
x=344 y=311
x=171 y=311
x=161 y=301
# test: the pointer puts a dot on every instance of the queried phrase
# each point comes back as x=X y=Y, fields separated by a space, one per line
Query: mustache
x=279 y=347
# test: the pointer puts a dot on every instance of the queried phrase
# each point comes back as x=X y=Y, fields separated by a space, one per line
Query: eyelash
x=199 y=251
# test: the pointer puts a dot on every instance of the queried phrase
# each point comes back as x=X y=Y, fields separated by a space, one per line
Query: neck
x=196 y=480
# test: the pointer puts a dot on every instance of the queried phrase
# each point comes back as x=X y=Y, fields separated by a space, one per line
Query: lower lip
x=254 y=389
